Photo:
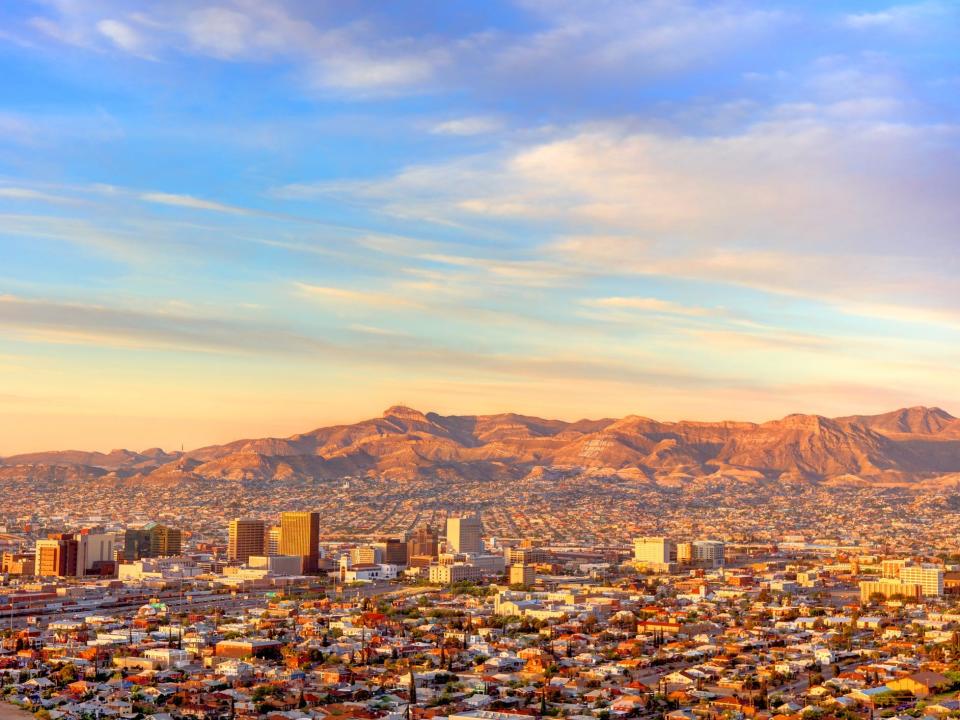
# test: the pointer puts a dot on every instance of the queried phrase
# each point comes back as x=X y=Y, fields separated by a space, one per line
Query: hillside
x=907 y=445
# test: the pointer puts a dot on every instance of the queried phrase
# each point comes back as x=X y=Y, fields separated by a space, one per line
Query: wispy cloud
x=385 y=301
x=194 y=203
x=82 y=323
x=475 y=125
x=18 y=193
x=650 y=304
x=347 y=56
x=907 y=17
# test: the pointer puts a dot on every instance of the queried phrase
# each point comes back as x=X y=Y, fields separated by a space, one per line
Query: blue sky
x=256 y=217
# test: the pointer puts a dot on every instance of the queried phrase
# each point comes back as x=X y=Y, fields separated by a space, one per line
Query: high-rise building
x=96 y=551
x=464 y=534
x=654 y=550
x=423 y=543
x=151 y=540
x=164 y=541
x=708 y=552
x=928 y=577
x=136 y=543
x=56 y=556
x=393 y=550
x=300 y=535
x=245 y=538
x=271 y=543
x=74 y=554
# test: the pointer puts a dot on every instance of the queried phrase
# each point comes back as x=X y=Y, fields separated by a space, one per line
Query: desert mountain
x=902 y=446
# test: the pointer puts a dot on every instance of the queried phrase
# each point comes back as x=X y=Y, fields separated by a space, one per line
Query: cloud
x=222 y=32
x=345 y=296
x=579 y=44
x=475 y=125
x=81 y=323
x=122 y=35
x=18 y=193
x=833 y=209
x=354 y=56
x=563 y=47
x=909 y=17
x=649 y=304
x=529 y=273
x=188 y=201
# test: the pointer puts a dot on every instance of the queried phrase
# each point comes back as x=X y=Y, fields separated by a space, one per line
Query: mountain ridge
x=904 y=445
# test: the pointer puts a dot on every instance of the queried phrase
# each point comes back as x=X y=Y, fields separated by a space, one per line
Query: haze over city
x=253 y=219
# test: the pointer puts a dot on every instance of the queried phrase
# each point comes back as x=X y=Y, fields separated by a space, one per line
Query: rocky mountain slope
x=904 y=446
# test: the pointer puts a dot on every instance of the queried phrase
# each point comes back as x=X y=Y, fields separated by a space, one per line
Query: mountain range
x=910 y=445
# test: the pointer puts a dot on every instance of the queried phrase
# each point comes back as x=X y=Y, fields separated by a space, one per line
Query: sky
x=243 y=218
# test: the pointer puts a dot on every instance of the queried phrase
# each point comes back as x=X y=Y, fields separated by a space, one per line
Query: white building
x=166 y=568
x=654 y=550
x=708 y=552
x=168 y=657
x=928 y=577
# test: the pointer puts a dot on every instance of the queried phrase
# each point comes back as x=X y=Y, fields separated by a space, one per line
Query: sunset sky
x=259 y=217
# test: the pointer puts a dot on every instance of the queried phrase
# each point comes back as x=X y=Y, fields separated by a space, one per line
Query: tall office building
x=56 y=556
x=164 y=541
x=654 y=550
x=423 y=543
x=393 y=551
x=300 y=535
x=96 y=552
x=151 y=540
x=74 y=554
x=708 y=552
x=271 y=542
x=464 y=534
x=136 y=543
x=245 y=538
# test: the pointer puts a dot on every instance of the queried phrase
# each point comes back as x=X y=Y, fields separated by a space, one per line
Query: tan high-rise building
x=56 y=556
x=300 y=535
x=246 y=537
x=73 y=554
x=423 y=543
x=464 y=534
x=271 y=541
x=165 y=541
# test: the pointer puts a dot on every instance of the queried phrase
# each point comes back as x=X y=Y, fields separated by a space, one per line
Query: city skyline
x=251 y=219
